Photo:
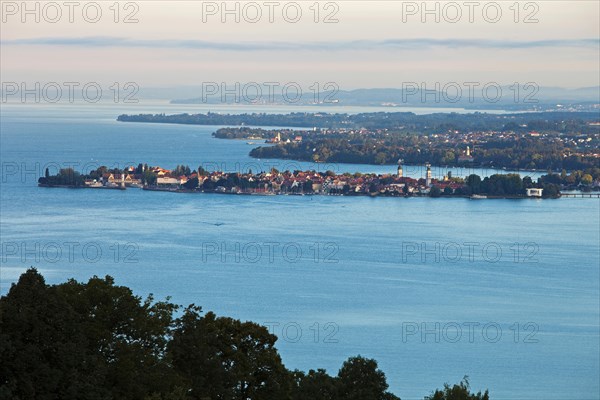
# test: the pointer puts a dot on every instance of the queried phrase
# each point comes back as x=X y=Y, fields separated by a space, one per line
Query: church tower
x=400 y=161
x=428 y=175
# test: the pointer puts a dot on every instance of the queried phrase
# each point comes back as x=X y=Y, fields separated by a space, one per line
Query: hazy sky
x=372 y=44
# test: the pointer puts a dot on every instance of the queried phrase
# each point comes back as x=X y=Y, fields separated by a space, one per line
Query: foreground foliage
x=96 y=340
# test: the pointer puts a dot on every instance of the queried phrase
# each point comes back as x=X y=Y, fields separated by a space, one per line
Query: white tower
x=428 y=175
x=400 y=161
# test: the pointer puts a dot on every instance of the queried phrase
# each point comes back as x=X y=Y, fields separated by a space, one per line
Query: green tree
x=435 y=191
x=360 y=379
x=474 y=183
x=223 y=358
x=97 y=340
x=315 y=385
x=82 y=341
x=550 y=190
x=460 y=391
x=149 y=177
x=191 y=184
x=380 y=158
x=449 y=158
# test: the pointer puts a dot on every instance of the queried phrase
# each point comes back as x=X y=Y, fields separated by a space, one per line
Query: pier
x=581 y=195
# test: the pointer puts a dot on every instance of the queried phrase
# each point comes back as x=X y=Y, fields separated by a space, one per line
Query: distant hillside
x=527 y=98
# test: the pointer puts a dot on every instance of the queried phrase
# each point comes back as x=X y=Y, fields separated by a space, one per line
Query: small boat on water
x=250 y=143
x=478 y=197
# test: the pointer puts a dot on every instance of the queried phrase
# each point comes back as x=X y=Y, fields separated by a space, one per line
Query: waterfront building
x=534 y=192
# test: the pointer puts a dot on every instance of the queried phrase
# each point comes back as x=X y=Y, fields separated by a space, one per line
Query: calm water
x=355 y=275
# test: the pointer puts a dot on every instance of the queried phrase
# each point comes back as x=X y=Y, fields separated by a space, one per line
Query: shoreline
x=595 y=194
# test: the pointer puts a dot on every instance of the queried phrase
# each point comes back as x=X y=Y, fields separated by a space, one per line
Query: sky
x=355 y=44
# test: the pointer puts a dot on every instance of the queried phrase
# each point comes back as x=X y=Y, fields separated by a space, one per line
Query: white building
x=534 y=192
x=167 y=181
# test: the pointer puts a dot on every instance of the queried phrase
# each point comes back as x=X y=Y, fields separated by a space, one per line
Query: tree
x=315 y=385
x=586 y=179
x=360 y=379
x=97 y=340
x=435 y=191
x=380 y=158
x=149 y=177
x=474 y=183
x=550 y=190
x=82 y=341
x=223 y=358
x=449 y=158
x=460 y=391
x=191 y=184
x=182 y=170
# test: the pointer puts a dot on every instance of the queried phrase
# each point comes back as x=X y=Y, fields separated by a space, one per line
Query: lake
x=505 y=291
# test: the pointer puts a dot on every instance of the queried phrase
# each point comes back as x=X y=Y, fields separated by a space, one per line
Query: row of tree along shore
x=97 y=340
x=274 y=182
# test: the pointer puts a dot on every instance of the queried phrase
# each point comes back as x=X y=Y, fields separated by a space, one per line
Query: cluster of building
x=131 y=177
x=277 y=139
x=275 y=182
x=584 y=144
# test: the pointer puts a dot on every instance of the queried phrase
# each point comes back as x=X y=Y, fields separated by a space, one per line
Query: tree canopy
x=99 y=341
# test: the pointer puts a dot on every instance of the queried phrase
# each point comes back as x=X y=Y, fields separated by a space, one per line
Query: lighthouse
x=428 y=175
x=400 y=161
